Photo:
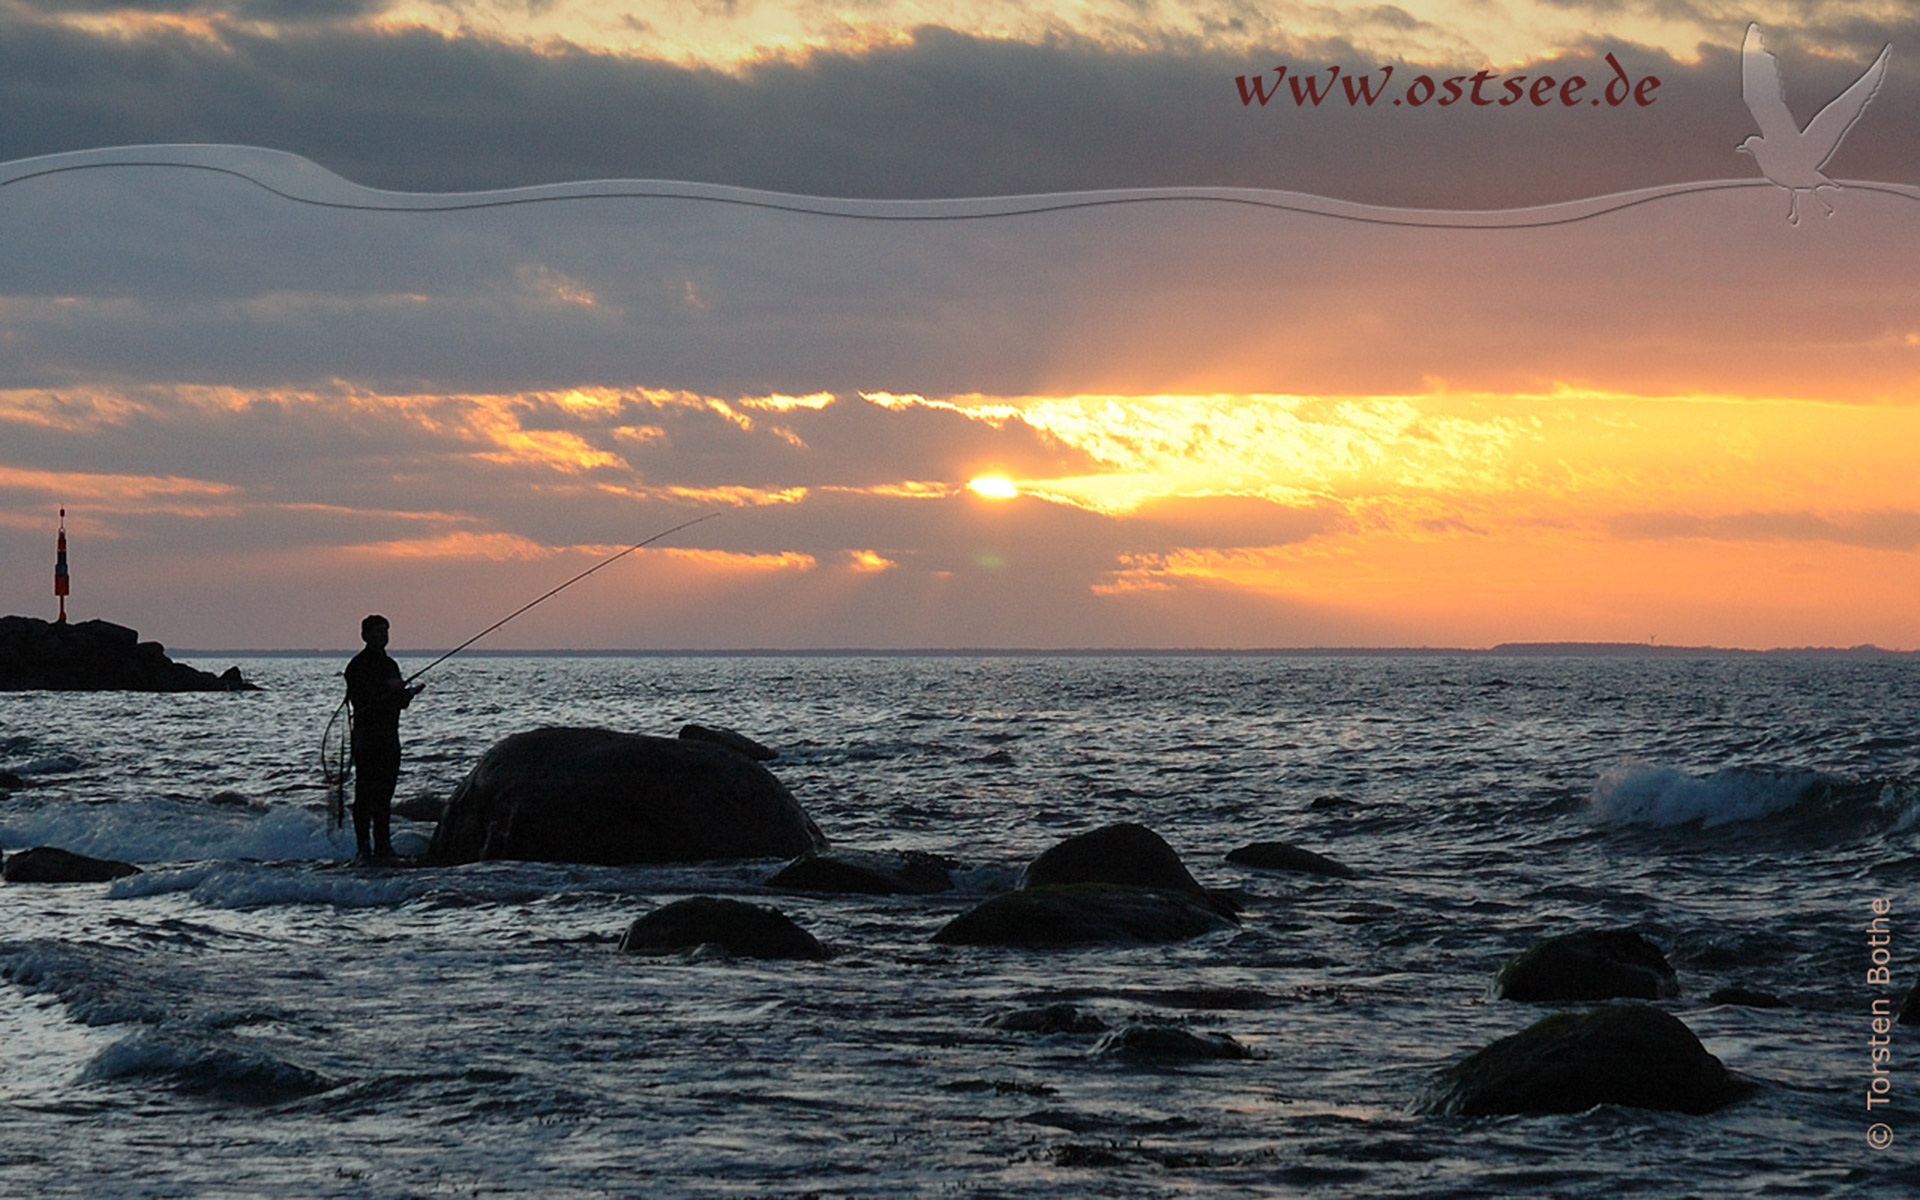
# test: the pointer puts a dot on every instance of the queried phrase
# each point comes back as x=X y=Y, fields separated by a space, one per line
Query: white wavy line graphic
x=303 y=181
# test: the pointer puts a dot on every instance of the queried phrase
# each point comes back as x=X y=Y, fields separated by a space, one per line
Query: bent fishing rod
x=336 y=758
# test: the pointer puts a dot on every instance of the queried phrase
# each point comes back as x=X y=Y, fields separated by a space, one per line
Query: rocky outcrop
x=866 y=873
x=50 y=864
x=91 y=656
x=1083 y=914
x=1632 y=1054
x=1285 y=856
x=1590 y=965
x=741 y=929
x=599 y=796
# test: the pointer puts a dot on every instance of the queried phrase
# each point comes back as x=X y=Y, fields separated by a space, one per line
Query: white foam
x=166 y=831
x=1642 y=794
x=240 y=885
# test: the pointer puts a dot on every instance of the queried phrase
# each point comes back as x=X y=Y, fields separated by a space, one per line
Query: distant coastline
x=1503 y=650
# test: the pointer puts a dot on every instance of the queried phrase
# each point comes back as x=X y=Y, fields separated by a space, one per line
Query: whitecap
x=1643 y=794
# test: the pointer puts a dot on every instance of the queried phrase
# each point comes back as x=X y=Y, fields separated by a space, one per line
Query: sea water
x=251 y=1016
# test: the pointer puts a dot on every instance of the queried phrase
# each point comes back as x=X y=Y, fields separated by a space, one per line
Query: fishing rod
x=609 y=561
x=336 y=758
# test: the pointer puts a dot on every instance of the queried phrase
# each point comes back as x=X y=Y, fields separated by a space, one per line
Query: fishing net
x=336 y=763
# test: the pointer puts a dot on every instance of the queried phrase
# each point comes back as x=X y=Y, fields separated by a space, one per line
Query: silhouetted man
x=377 y=692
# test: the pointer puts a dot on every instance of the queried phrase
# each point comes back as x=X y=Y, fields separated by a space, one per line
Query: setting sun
x=994 y=487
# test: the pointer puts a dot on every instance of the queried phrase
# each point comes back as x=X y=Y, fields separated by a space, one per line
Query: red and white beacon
x=60 y=567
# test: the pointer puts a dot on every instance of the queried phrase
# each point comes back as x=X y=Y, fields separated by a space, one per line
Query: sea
x=254 y=1015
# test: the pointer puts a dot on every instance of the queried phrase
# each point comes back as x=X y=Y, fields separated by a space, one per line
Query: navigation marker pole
x=60 y=569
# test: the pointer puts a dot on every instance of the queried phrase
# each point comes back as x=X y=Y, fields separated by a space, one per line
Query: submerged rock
x=421 y=808
x=1284 y=856
x=1047 y=1019
x=743 y=930
x=1083 y=914
x=1597 y=964
x=598 y=796
x=92 y=656
x=1746 y=998
x=50 y=864
x=866 y=872
x=1631 y=1054
x=1910 y=1007
x=1163 y=1043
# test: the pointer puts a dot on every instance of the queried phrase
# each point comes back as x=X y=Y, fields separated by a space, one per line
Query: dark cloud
x=192 y=277
x=1886 y=530
x=944 y=114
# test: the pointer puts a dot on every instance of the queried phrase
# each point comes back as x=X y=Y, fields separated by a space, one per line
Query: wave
x=1640 y=794
x=203 y=1065
x=233 y=885
x=302 y=181
x=169 y=831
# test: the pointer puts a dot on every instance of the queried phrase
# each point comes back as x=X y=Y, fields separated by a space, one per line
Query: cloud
x=1228 y=424
x=927 y=111
x=1882 y=530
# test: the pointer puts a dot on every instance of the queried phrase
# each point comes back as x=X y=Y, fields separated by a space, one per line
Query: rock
x=1083 y=914
x=1746 y=998
x=1630 y=1054
x=1910 y=1007
x=744 y=930
x=1589 y=965
x=598 y=796
x=1126 y=854
x=867 y=873
x=96 y=656
x=50 y=864
x=1284 y=856
x=1047 y=1019
x=9 y=782
x=1162 y=1043
x=739 y=743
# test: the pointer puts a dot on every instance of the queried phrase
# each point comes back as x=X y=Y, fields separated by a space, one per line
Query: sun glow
x=993 y=487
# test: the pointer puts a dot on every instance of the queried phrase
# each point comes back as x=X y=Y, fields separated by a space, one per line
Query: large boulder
x=1083 y=914
x=1632 y=1054
x=1594 y=964
x=743 y=930
x=97 y=656
x=599 y=796
x=1126 y=854
x=50 y=864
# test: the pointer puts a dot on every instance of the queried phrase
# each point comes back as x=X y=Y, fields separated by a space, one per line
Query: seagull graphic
x=1786 y=154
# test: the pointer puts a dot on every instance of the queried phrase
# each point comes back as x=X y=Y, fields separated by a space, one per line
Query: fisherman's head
x=373 y=630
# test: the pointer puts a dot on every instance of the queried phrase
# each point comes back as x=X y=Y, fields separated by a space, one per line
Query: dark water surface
x=249 y=1017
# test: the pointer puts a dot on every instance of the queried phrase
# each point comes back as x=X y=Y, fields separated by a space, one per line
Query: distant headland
x=97 y=656
x=1503 y=650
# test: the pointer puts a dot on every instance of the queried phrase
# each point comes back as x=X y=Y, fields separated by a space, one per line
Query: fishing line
x=336 y=758
x=556 y=591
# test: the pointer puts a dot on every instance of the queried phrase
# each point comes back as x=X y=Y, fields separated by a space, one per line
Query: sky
x=366 y=336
